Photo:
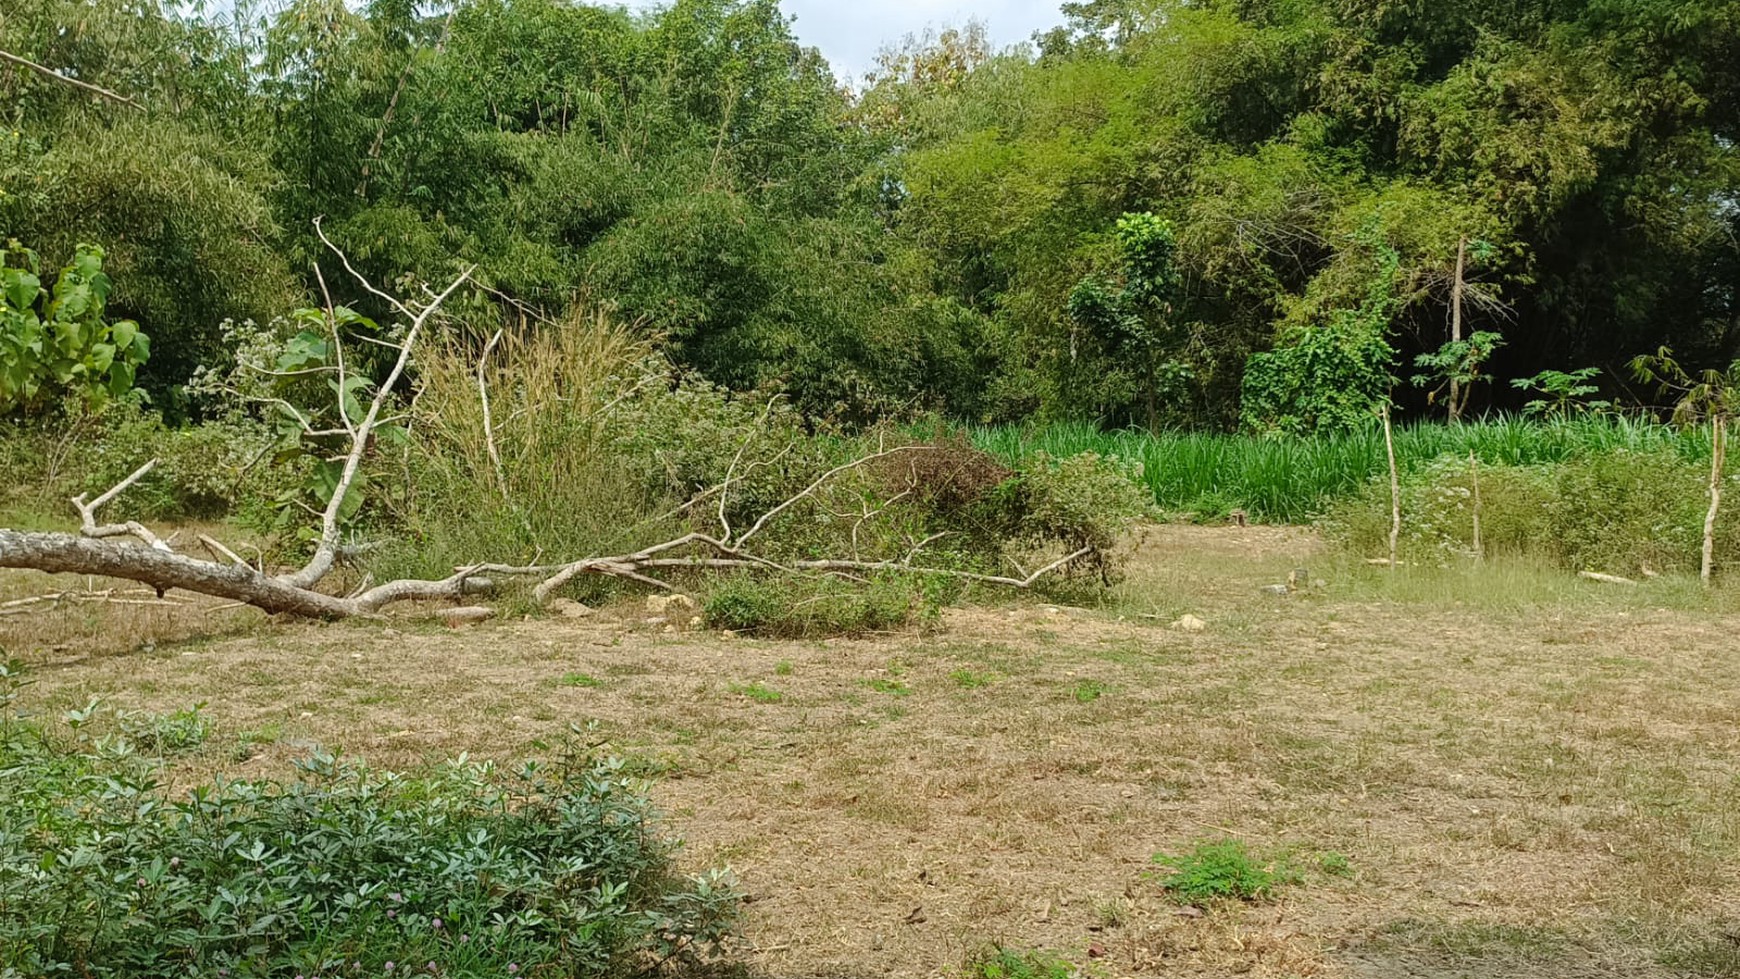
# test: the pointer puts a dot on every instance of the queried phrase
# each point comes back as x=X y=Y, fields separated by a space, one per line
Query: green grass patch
x=998 y=962
x=1088 y=691
x=1222 y=870
x=580 y=680
x=758 y=692
x=971 y=679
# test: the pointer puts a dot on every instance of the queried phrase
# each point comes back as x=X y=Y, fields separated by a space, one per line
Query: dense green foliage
x=1630 y=512
x=462 y=870
x=966 y=232
x=1293 y=480
x=1588 y=148
x=55 y=342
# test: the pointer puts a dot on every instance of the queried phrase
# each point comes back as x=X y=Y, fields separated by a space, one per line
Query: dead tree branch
x=50 y=73
x=88 y=513
x=326 y=551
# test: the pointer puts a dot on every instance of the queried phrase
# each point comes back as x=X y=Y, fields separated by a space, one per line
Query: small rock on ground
x=470 y=615
x=1190 y=623
x=661 y=604
x=568 y=608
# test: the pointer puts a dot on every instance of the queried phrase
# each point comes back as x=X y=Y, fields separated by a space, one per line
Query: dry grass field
x=1471 y=774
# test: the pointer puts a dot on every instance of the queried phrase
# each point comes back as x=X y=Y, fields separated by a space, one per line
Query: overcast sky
x=850 y=32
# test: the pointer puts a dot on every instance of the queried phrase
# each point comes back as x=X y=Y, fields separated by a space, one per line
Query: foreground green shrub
x=461 y=870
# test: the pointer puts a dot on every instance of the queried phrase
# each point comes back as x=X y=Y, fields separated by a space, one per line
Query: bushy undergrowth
x=462 y=870
x=795 y=607
x=1623 y=512
x=203 y=471
x=1293 y=480
x=578 y=439
x=596 y=445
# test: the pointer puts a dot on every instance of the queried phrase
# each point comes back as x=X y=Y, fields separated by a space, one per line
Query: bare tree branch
x=88 y=513
x=64 y=79
x=823 y=480
x=326 y=551
x=488 y=421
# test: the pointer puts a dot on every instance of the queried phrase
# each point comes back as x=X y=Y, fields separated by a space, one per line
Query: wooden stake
x=1474 y=473
x=1456 y=394
x=1718 y=461
x=1395 y=490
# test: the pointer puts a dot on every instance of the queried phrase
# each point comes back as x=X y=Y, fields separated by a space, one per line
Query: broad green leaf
x=121 y=378
x=22 y=288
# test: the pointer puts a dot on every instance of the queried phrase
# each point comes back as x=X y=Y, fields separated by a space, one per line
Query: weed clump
x=796 y=607
x=758 y=692
x=998 y=962
x=1222 y=870
x=169 y=734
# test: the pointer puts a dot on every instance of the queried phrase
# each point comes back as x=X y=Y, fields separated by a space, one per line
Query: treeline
x=1313 y=187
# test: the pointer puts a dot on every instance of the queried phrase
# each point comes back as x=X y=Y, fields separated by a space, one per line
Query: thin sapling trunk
x=1718 y=461
x=1395 y=491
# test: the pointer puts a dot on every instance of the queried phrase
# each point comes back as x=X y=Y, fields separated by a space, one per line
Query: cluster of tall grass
x=1295 y=480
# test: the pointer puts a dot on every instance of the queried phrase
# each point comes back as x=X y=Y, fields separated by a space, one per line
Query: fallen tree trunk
x=71 y=554
x=56 y=553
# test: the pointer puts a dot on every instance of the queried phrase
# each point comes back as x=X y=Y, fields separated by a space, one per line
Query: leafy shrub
x=1331 y=371
x=1630 y=511
x=1563 y=393
x=1086 y=501
x=460 y=870
x=55 y=341
x=168 y=734
x=1438 y=511
x=799 y=607
x=209 y=470
x=1222 y=870
x=744 y=604
x=1619 y=511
